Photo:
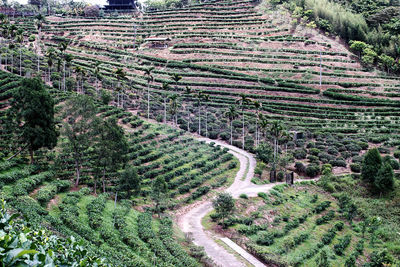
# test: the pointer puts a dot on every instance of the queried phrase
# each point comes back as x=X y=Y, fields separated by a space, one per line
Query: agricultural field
x=147 y=138
x=41 y=192
x=304 y=225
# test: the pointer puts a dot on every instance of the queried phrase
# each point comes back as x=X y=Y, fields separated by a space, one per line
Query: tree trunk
x=31 y=154
x=188 y=121
x=148 y=101
x=231 y=131
x=64 y=76
x=95 y=186
x=257 y=129
x=165 y=110
x=199 y=121
x=104 y=180
x=78 y=172
x=20 y=62
x=242 y=128
x=206 y=124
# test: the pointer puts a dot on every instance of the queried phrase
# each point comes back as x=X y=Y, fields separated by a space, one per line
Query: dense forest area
x=371 y=28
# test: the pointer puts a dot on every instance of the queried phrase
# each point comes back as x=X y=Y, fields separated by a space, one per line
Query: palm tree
x=173 y=108
x=120 y=75
x=63 y=47
x=97 y=74
x=39 y=23
x=276 y=131
x=188 y=94
x=176 y=78
x=11 y=33
x=231 y=114
x=257 y=105
x=80 y=73
x=68 y=62
x=199 y=97
x=263 y=124
x=243 y=101
x=150 y=79
x=19 y=38
x=165 y=87
x=51 y=52
x=206 y=98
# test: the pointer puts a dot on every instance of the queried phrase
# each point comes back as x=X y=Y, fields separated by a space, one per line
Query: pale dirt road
x=189 y=219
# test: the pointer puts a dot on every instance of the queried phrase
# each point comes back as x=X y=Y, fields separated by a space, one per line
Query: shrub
x=322 y=206
x=371 y=165
x=338 y=163
x=342 y=245
x=92 y=11
x=380 y=258
x=384 y=180
x=332 y=151
x=392 y=161
x=244 y=196
x=265 y=238
x=314 y=151
x=300 y=168
x=355 y=167
x=326 y=218
x=300 y=153
x=312 y=170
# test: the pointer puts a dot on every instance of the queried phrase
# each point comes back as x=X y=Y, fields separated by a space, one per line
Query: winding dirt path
x=190 y=219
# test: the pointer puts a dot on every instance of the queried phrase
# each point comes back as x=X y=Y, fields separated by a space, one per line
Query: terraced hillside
x=230 y=48
x=44 y=195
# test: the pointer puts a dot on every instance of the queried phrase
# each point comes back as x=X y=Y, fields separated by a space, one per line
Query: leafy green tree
x=358 y=46
x=384 y=181
x=32 y=116
x=369 y=56
x=130 y=182
x=78 y=128
x=387 y=62
x=264 y=152
x=371 y=164
x=105 y=97
x=110 y=148
x=224 y=205
x=158 y=192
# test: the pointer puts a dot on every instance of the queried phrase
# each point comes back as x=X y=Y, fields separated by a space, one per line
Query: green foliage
x=342 y=245
x=130 y=181
x=322 y=260
x=371 y=165
x=33 y=108
x=224 y=204
x=22 y=246
x=384 y=180
x=264 y=152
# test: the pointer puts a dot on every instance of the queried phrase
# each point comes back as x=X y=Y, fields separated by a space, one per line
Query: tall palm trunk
x=20 y=62
x=165 y=110
x=231 y=131
x=78 y=172
x=199 y=121
x=206 y=123
x=242 y=128
x=64 y=75
x=257 y=130
x=148 y=101
x=188 y=121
